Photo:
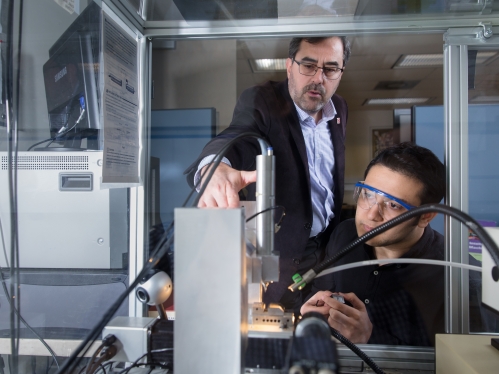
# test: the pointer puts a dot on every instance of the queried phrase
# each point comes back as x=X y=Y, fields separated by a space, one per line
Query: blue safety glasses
x=389 y=207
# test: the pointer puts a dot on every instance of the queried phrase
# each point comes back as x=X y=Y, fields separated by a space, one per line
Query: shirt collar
x=423 y=249
x=328 y=112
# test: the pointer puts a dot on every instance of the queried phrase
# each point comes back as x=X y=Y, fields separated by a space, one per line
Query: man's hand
x=352 y=322
x=316 y=304
x=222 y=191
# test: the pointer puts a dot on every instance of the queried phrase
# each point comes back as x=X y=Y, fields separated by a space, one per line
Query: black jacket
x=269 y=111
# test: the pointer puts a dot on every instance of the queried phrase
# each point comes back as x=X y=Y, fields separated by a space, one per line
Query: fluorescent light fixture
x=397 y=101
x=262 y=65
x=485 y=99
x=407 y=61
x=436 y=59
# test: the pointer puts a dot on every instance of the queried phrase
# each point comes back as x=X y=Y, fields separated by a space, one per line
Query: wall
x=196 y=74
x=358 y=149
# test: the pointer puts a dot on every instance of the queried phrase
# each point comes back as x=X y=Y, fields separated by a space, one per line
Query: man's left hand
x=351 y=321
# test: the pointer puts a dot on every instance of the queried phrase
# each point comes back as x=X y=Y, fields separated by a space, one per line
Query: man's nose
x=374 y=212
x=318 y=76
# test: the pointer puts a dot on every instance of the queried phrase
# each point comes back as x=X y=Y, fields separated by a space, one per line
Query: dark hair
x=294 y=46
x=415 y=162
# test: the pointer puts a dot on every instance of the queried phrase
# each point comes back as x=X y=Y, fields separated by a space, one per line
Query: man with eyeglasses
x=304 y=121
x=400 y=304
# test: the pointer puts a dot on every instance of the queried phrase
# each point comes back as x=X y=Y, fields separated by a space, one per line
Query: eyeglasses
x=366 y=196
x=306 y=68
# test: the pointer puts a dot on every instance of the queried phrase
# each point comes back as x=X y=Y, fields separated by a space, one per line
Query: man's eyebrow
x=332 y=63
x=309 y=59
x=329 y=63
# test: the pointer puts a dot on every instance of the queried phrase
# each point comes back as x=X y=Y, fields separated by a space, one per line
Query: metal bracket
x=487 y=30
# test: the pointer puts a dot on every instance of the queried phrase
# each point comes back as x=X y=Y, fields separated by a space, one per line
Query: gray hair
x=294 y=46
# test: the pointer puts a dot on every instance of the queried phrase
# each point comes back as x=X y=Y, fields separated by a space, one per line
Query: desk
x=33 y=347
x=463 y=354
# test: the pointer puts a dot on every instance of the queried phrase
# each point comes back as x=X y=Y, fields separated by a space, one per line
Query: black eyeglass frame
x=317 y=68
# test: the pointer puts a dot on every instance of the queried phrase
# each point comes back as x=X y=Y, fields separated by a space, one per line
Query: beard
x=392 y=236
x=308 y=104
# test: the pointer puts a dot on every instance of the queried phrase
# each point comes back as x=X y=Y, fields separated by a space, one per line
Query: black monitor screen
x=71 y=82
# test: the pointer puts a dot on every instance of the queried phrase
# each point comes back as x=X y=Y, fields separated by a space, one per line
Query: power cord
x=12 y=112
x=60 y=135
x=137 y=364
x=279 y=223
x=74 y=359
x=106 y=350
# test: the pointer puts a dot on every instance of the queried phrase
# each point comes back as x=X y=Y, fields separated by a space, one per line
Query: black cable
x=134 y=364
x=266 y=210
x=162 y=366
x=196 y=185
x=103 y=367
x=59 y=136
x=427 y=208
x=217 y=160
x=12 y=110
x=277 y=226
x=160 y=249
x=43 y=141
x=74 y=359
x=368 y=360
x=137 y=364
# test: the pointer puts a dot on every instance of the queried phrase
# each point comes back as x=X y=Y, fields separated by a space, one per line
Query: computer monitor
x=71 y=78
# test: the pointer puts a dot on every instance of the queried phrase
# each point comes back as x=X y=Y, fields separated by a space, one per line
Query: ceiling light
x=260 y=65
x=485 y=99
x=397 y=101
x=436 y=59
x=396 y=85
x=406 y=61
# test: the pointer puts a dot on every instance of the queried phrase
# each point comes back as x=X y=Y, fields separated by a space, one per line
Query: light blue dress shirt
x=320 y=164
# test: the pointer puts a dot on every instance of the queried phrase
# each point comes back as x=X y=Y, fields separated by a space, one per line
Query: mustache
x=315 y=87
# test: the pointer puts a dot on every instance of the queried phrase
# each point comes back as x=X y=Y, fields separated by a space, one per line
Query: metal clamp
x=487 y=30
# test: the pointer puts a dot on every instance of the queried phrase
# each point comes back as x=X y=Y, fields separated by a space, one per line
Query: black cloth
x=269 y=111
x=405 y=302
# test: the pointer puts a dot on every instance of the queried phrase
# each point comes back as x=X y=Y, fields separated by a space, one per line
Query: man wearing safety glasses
x=393 y=303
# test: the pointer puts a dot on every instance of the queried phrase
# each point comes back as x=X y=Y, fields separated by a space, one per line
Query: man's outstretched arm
x=223 y=189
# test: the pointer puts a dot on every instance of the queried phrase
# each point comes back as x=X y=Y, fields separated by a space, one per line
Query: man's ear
x=425 y=219
x=289 y=64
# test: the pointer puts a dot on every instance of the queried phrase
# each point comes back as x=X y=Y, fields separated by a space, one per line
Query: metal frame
x=137 y=202
x=461 y=33
x=456 y=144
x=457 y=44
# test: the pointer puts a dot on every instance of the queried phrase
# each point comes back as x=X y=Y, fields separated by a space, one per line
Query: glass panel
x=72 y=255
x=185 y=84
x=361 y=10
x=483 y=114
x=228 y=67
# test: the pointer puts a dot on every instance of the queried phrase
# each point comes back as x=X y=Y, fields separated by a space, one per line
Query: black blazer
x=269 y=111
